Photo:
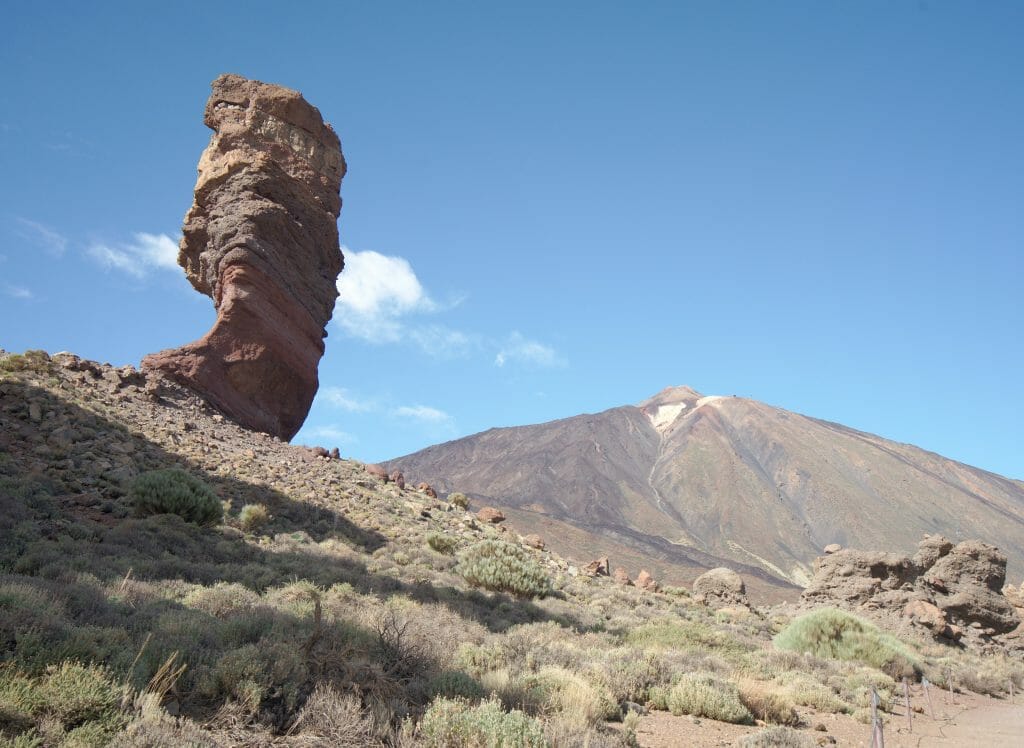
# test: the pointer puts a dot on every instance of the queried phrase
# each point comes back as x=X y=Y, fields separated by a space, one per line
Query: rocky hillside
x=687 y=481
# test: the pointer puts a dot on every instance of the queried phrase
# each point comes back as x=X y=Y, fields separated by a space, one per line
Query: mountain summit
x=685 y=481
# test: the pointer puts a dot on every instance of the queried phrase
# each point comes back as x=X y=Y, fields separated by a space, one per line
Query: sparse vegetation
x=174 y=491
x=503 y=567
x=346 y=620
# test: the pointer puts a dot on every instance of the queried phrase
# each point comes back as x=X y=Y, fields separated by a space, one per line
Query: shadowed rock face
x=261 y=239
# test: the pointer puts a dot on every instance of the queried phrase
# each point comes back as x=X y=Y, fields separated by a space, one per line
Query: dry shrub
x=252 y=517
x=330 y=717
x=776 y=737
x=768 y=704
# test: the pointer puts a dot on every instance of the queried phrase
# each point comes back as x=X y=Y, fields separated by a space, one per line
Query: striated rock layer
x=261 y=239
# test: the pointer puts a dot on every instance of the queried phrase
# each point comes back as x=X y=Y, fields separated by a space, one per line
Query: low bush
x=776 y=737
x=458 y=499
x=442 y=543
x=253 y=517
x=768 y=704
x=503 y=567
x=455 y=683
x=839 y=635
x=455 y=723
x=705 y=695
x=174 y=491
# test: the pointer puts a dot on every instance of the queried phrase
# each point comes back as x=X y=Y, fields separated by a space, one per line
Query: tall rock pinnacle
x=261 y=239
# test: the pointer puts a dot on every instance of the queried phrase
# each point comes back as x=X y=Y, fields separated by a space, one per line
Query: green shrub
x=458 y=499
x=705 y=695
x=455 y=683
x=454 y=723
x=503 y=567
x=174 y=491
x=838 y=635
x=253 y=516
x=442 y=543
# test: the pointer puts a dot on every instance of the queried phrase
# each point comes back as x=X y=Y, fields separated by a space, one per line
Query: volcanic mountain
x=683 y=482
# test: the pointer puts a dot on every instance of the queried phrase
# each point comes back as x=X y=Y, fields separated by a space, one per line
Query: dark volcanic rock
x=261 y=239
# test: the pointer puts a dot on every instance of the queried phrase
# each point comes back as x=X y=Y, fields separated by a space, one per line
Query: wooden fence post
x=906 y=701
x=928 y=696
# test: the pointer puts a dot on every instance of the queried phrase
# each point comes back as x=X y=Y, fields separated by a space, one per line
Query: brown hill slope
x=685 y=480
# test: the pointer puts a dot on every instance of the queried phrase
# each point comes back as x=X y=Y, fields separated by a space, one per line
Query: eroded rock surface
x=261 y=239
x=952 y=591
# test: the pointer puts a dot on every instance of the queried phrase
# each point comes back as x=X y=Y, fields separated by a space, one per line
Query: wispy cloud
x=327 y=433
x=443 y=342
x=423 y=413
x=341 y=398
x=18 y=292
x=145 y=253
x=42 y=236
x=375 y=292
x=519 y=349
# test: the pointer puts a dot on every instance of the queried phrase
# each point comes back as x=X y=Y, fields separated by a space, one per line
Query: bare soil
x=964 y=721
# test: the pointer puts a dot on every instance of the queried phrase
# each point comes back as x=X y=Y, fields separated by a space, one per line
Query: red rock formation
x=261 y=239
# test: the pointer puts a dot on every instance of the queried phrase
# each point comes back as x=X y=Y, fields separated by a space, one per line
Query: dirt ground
x=966 y=720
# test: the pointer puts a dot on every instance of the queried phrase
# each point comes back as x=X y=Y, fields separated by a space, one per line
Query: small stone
x=598 y=567
x=335 y=453
x=35 y=413
x=832 y=548
x=534 y=541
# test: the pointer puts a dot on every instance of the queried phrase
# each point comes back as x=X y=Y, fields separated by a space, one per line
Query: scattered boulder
x=398 y=479
x=320 y=452
x=974 y=574
x=491 y=515
x=621 y=576
x=597 y=568
x=376 y=471
x=720 y=587
x=928 y=615
x=534 y=541
x=832 y=548
x=335 y=453
x=646 y=582
x=261 y=239
x=930 y=550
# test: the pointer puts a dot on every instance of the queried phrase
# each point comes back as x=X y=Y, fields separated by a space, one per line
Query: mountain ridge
x=725 y=478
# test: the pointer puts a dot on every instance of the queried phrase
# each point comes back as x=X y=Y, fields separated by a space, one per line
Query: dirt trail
x=972 y=721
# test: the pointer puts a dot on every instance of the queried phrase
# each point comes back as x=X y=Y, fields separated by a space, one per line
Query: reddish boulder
x=261 y=239
x=376 y=471
x=598 y=568
x=534 y=541
x=426 y=488
x=646 y=582
x=490 y=514
x=621 y=576
x=397 y=478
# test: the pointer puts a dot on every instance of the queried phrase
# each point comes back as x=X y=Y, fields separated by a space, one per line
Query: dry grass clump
x=679 y=633
x=767 y=703
x=836 y=634
x=253 y=517
x=707 y=695
x=805 y=690
x=991 y=674
x=330 y=717
x=458 y=499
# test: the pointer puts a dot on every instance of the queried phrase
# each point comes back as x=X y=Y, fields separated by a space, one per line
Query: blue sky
x=555 y=208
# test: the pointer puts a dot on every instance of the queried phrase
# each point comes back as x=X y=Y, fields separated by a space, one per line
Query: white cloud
x=339 y=397
x=328 y=433
x=423 y=413
x=376 y=291
x=43 y=236
x=17 y=292
x=443 y=342
x=147 y=252
x=517 y=348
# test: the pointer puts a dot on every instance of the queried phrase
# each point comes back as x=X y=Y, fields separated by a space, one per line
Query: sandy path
x=971 y=721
